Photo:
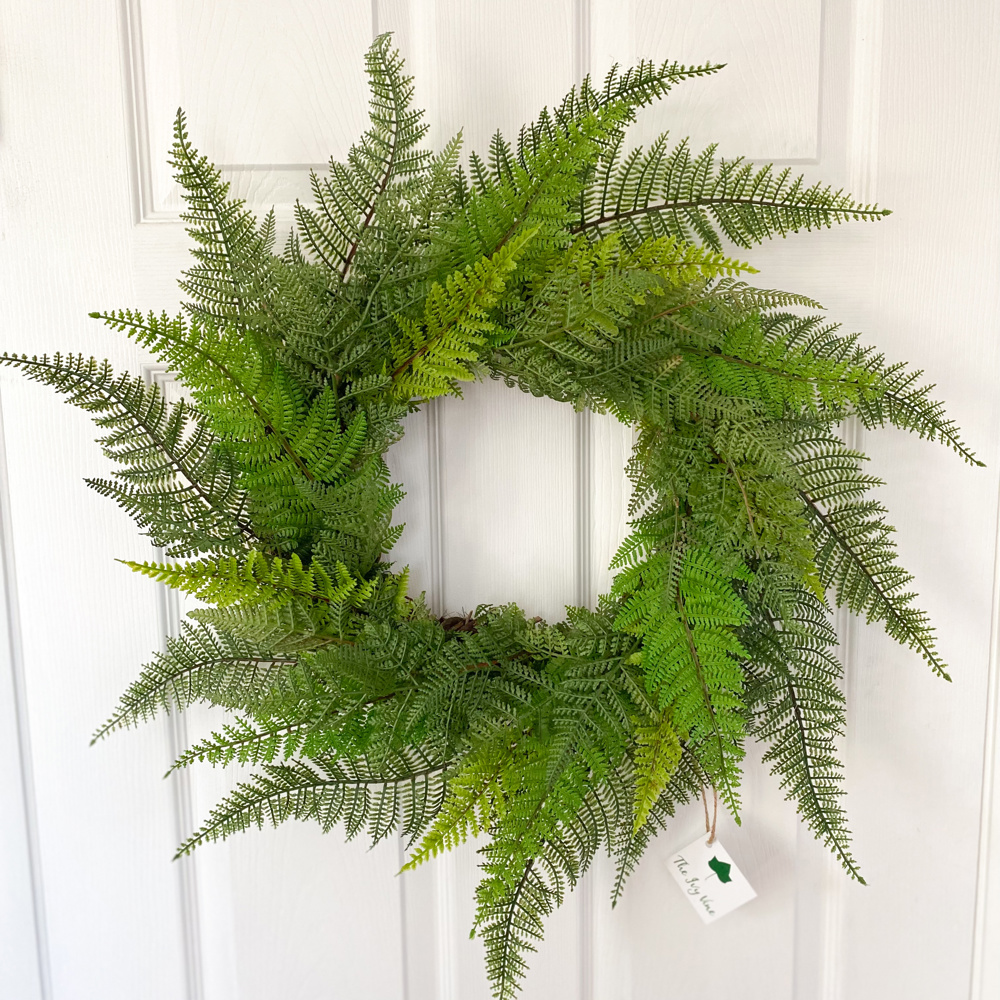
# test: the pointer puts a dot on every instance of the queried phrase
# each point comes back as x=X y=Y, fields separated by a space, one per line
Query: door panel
x=509 y=498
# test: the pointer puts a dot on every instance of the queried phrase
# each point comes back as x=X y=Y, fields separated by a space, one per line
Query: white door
x=510 y=498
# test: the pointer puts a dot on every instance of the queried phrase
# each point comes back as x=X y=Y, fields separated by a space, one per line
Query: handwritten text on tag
x=708 y=877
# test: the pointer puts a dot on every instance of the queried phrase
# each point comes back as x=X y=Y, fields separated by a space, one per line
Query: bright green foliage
x=777 y=373
x=570 y=268
x=313 y=607
x=657 y=754
x=689 y=622
x=429 y=357
x=256 y=579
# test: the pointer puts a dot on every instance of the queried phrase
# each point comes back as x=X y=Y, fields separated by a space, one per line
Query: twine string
x=710 y=827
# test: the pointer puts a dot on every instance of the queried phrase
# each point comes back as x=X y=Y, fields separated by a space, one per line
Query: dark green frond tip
x=669 y=190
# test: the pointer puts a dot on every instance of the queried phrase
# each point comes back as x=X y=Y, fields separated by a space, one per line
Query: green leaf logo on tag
x=709 y=878
x=721 y=868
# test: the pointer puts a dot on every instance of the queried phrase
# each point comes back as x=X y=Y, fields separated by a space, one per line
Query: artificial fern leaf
x=664 y=191
x=632 y=89
x=891 y=394
x=690 y=657
x=794 y=692
x=348 y=199
x=591 y=291
x=628 y=842
x=405 y=790
x=245 y=743
x=538 y=849
x=229 y=282
x=474 y=796
x=509 y=917
x=227 y=376
x=254 y=579
x=536 y=192
x=855 y=554
x=174 y=481
x=294 y=627
x=906 y=404
x=271 y=432
x=200 y=664
x=658 y=752
x=431 y=356
x=779 y=375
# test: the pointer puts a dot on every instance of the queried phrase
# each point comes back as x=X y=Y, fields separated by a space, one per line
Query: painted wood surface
x=509 y=498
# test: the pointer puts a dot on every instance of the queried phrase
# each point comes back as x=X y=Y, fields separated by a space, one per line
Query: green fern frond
x=779 y=374
x=176 y=484
x=794 y=693
x=896 y=397
x=403 y=792
x=472 y=805
x=348 y=200
x=536 y=194
x=246 y=399
x=245 y=742
x=660 y=191
x=658 y=753
x=200 y=664
x=511 y=909
x=591 y=290
x=295 y=627
x=229 y=283
x=628 y=843
x=742 y=298
x=856 y=556
x=690 y=657
x=632 y=89
x=255 y=579
x=906 y=404
x=429 y=357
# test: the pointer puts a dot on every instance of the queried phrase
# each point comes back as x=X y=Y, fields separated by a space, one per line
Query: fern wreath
x=570 y=266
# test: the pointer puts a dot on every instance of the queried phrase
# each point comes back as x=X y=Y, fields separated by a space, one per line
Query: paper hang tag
x=709 y=878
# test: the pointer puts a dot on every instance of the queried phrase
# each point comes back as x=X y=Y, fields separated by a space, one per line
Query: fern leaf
x=628 y=842
x=404 y=791
x=509 y=918
x=471 y=804
x=430 y=357
x=780 y=375
x=200 y=664
x=255 y=579
x=178 y=486
x=690 y=658
x=794 y=692
x=635 y=88
x=856 y=556
x=348 y=199
x=658 y=753
x=906 y=404
x=670 y=192
x=230 y=281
